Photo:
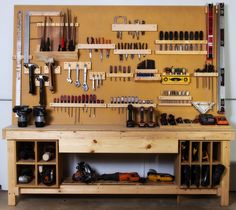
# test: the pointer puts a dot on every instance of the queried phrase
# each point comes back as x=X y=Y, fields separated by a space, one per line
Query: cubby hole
x=184 y=151
x=25 y=174
x=46 y=152
x=47 y=175
x=205 y=176
x=195 y=175
x=185 y=175
x=195 y=152
x=25 y=151
x=206 y=152
x=216 y=152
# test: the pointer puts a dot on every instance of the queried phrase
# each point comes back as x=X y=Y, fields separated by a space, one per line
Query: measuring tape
x=18 y=58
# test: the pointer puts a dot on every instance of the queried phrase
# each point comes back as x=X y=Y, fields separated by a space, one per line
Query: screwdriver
x=166 y=38
x=124 y=72
x=176 y=37
x=115 y=71
x=129 y=71
x=201 y=38
x=72 y=101
x=90 y=40
x=61 y=100
x=58 y=101
x=139 y=47
x=76 y=101
x=68 y=101
x=94 y=99
x=191 y=35
x=65 y=101
x=119 y=48
x=161 y=37
x=111 y=71
x=186 y=39
x=181 y=37
x=83 y=101
x=120 y=71
x=90 y=101
x=79 y=101
x=196 y=37
x=126 y=47
x=86 y=101
x=54 y=101
x=102 y=41
x=171 y=38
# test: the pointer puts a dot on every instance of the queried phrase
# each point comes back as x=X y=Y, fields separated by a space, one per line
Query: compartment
x=205 y=176
x=26 y=175
x=206 y=152
x=25 y=152
x=185 y=175
x=47 y=175
x=195 y=175
x=47 y=152
x=195 y=151
x=216 y=152
x=184 y=148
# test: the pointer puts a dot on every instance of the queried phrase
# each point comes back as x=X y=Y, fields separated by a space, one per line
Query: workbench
x=118 y=139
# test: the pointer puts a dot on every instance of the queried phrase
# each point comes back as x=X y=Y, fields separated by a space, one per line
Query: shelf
x=175 y=97
x=205 y=74
x=183 y=52
x=134 y=27
x=57 y=55
x=133 y=52
x=120 y=75
x=148 y=71
x=134 y=105
x=50 y=162
x=57 y=24
x=25 y=162
x=31 y=184
x=174 y=104
x=95 y=46
x=154 y=78
x=181 y=42
x=41 y=185
x=78 y=105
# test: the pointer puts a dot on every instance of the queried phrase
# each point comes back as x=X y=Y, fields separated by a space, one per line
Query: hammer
x=42 y=97
x=31 y=68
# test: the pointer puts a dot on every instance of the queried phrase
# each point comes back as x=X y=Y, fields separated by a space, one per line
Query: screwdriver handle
x=186 y=35
x=170 y=35
x=191 y=35
x=176 y=35
x=181 y=35
x=201 y=35
x=161 y=35
x=196 y=35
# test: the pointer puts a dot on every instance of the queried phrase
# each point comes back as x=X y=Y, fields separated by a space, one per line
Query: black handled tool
x=150 y=117
x=141 y=122
x=42 y=96
x=31 y=68
x=130 y=121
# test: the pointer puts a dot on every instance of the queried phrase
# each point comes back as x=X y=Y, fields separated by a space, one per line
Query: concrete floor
x=50 y=202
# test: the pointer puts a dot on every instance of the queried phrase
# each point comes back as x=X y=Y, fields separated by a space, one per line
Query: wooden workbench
x=117 y=139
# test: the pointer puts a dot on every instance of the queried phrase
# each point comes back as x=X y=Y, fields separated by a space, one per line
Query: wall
x=6 y=46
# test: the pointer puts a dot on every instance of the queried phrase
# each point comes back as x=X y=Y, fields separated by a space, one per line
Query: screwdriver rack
x=175 y=101
x=134 y=27
x=95 y=46
x=57 y=24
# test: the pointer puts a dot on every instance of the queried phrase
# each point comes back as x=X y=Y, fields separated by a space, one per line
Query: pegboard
x=97 y=21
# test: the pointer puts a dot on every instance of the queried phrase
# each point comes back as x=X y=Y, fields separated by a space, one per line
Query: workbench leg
x=11 y=172
x=225 y=151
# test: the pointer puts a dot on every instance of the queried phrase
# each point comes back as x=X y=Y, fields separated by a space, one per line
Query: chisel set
x=65 y=47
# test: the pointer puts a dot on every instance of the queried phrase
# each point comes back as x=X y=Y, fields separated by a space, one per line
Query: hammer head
x=42 y=77
x=30 y=65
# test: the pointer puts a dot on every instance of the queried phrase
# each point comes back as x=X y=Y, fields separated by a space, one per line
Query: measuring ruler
x=18 y=58
x=221 y=63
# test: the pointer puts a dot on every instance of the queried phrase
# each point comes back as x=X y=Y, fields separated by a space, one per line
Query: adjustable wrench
x=85 y=85
x=69 y=80
x=77 y=82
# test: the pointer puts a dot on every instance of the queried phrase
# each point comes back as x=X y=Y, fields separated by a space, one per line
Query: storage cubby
x=47 y=152
x=185 y=150
x=206 y=152
x=195 y=151
x=26 y=175
x=47 y=176
x=25 y=152
x=216 y=152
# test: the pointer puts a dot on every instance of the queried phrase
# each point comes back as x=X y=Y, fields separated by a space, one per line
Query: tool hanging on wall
x=210 y=31
x=42 y=96
x=18 y=58
x=221 y=59
x=124 y=19
x=31 y=67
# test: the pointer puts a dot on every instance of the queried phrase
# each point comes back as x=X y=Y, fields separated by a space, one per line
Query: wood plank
x=175 y=97
x=95 y=143
x=205 y=74
x=57 y=55
x=180 y=42
x=174 y=52
x=225 y=149
x=134 y=27
x=12 y=176
x=95 y=46
x=133 y=52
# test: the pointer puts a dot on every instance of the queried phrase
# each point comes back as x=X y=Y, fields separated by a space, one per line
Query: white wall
x=6 y=52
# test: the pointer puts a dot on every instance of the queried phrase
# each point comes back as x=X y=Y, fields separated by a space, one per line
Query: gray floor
x=44 y=202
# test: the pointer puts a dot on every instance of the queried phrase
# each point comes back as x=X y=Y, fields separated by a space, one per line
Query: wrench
x=85 y=85
x=69 y=80
x=77 y=82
